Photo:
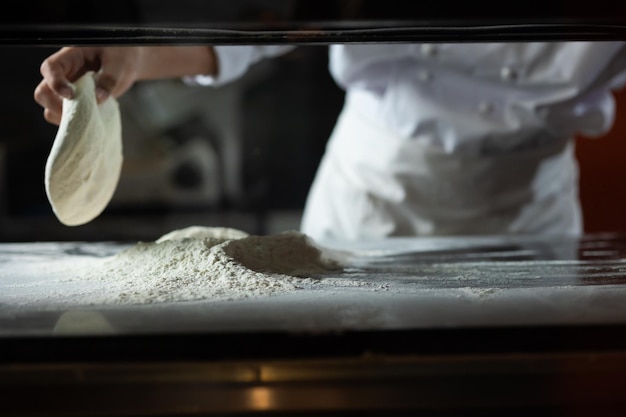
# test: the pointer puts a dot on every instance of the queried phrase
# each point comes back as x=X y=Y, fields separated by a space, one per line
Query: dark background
x=245 y=154
x=285 y=109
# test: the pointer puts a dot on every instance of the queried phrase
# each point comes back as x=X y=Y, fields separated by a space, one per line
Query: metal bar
x=125 y=35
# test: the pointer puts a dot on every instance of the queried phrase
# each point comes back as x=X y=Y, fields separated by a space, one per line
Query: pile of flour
x=207 y=263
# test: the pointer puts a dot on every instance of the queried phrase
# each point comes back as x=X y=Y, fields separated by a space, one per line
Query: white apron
x=372 y=184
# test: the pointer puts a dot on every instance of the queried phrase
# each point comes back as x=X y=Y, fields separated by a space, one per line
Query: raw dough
x=85 y=161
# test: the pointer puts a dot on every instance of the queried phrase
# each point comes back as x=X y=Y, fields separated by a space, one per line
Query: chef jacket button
x=508 y=73
x=484 y=107
x=425 y=76
x=429 y=49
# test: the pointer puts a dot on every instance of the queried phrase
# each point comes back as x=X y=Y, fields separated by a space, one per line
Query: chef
x=433 y=139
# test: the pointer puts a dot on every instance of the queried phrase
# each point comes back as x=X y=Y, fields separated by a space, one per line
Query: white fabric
x=234 y=61
x=482 y=98
x=476 y=103
x=413 y=189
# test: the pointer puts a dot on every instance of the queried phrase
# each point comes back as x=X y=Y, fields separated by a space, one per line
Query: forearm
x=176 y=61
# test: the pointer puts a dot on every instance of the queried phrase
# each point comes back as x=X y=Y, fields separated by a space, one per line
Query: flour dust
x=207 y=263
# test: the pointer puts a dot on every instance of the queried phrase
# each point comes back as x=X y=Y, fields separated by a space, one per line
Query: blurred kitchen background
x=242 y=155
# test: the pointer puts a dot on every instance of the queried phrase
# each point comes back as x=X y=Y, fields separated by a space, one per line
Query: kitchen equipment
x=442 y=333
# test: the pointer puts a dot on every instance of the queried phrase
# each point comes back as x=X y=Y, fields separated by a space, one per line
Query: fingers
x=105 y=84
x=59 y=70
x=51 y=117
x=63 y=67
x=56 y=80
x=117 y=71
x=50 y=101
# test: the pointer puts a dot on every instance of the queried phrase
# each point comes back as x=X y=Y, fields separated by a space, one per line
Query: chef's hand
x=116 y=67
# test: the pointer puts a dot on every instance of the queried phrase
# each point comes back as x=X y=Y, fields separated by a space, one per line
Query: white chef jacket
x=454 y=139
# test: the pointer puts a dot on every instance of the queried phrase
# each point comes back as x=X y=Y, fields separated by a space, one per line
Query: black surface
x=301 y=21
x=281 y=13
x=69 y=34
x=282 y=345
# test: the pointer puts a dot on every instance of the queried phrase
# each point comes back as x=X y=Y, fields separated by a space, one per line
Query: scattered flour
x=199 y=232
x=208 y=263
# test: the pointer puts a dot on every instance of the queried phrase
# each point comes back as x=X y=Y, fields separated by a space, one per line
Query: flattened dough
x=85 y=162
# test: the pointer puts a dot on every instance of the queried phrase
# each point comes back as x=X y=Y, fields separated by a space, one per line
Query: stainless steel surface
x=472 y=326
x=398 y=283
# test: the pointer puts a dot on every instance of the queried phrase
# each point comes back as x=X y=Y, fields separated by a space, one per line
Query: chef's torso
x=454 y=139
x=484 y=98
x=461 y=139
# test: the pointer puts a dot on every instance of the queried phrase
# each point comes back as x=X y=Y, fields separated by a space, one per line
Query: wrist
x=175 y=61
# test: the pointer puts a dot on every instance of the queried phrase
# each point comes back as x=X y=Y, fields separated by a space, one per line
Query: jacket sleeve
x=234 y=61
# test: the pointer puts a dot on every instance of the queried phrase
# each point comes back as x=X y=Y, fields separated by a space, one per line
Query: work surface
x=409 y=326
x=395 y=284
